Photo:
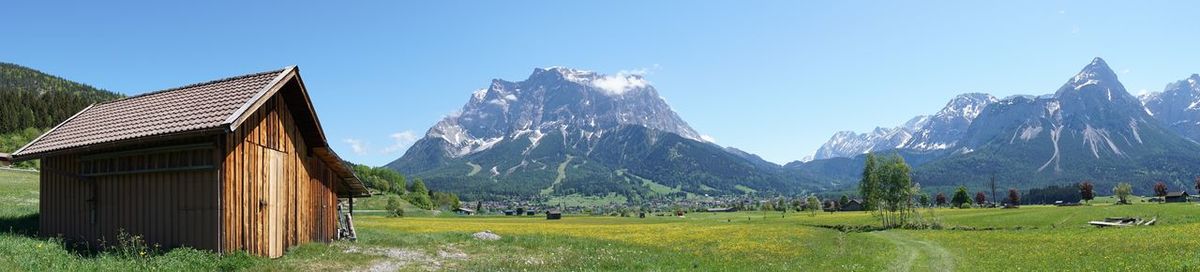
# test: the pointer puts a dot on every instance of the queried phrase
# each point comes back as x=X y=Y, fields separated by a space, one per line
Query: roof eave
x=240 y=115
x=21 y=151
x=104 y=145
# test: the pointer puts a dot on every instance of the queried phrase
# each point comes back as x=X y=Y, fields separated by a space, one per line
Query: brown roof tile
x=185 y=109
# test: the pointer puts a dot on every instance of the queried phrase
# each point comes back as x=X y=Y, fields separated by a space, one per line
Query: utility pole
x=993 y=187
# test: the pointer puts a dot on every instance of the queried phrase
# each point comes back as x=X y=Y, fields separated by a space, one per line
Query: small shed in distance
x=852 y=205
x=1176 y=197
x=464 y=211
x=553 y=215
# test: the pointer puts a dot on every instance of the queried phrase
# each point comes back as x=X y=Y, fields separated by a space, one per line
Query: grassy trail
x=475 y=168
x=562 y=174
x=916 y=254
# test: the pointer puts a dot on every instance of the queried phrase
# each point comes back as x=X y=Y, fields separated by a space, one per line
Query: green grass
x=745 y=189
x=575 y=200
x=1031 y=238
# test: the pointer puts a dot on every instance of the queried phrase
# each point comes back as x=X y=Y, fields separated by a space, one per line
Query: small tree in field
x=814 y=204
x=1014 y=197
x=960 y=198
x=924 y=200
x=1160 y=189
x=980 y=198
x=1122 y=191
x=798 y=204
x=1086 y=191
x=940 y=199
x=845 y=200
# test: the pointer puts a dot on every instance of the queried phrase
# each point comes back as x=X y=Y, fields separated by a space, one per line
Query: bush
x=394 y=209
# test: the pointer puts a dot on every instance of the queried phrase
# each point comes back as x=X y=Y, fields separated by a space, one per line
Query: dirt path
x=395 y=259
x=917 y=254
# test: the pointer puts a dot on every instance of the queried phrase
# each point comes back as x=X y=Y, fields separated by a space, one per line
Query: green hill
x=33 y=99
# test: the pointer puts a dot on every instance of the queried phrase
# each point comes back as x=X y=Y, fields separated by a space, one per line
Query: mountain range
x=1090 y=128
x=564 y=131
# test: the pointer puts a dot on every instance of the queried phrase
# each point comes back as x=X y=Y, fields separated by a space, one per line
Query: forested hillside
x=32 y=99
x=32 y=102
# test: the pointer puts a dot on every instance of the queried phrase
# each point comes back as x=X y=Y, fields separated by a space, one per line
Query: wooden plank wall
x=64 y=208
x=169 y=209
x=308 y=197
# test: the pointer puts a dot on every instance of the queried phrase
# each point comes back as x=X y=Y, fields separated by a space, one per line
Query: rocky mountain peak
x=556 y=99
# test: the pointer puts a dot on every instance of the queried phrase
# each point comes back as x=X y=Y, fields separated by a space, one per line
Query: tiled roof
x=190 y=108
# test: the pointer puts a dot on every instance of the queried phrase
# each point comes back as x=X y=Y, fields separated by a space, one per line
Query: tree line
x=386 y=181
x=32 y=99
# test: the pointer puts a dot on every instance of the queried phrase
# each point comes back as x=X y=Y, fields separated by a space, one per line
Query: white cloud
x=621 y=82
x=357 y=146
x=1124 y=71
x=401 y=141
x=708 y=138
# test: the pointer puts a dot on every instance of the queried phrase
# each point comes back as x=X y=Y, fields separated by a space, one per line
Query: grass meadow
x=1031 y=238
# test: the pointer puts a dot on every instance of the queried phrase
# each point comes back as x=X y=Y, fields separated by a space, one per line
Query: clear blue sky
x=772 y=78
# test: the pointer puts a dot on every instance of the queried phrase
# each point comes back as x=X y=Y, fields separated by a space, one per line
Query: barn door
x=273 y=196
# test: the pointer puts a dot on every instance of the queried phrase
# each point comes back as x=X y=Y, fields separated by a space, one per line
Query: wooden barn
x=1176 y=197
x=234 y=164
x=5 y=159
x=852 y=205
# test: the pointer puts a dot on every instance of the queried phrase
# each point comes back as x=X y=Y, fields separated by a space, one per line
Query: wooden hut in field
x=5 y=159
x=464 y=211
x=1174 y=197
x=553 y=215
x=717 y=210
x=234 y=164
x=852 y=205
